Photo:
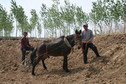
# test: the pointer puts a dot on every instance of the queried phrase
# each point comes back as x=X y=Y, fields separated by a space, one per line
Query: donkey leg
x=36 y=61
x=65 y=64
x=33 y=68
x=44 y=66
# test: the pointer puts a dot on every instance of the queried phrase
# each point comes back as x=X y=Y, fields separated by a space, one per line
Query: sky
x=36 y=4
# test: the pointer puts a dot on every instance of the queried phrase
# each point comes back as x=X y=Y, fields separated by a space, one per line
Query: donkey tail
x=33 y=55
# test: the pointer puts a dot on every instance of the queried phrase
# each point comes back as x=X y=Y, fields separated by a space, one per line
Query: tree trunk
x=16 y=28
x=100 y=28
x=124 y=20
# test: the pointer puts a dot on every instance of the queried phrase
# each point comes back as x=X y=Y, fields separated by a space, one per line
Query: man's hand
x=86 y=42
x=23 y=49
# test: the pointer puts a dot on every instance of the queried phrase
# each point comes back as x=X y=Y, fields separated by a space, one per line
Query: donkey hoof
x=33 y=74
x=67 y=70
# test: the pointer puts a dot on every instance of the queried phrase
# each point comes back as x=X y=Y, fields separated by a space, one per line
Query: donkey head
x=78 y=38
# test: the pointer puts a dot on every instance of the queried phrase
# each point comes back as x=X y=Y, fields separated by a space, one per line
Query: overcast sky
x=36 y=4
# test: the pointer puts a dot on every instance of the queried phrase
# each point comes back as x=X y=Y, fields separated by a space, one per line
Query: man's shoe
x=85 y=62
x=98 y=56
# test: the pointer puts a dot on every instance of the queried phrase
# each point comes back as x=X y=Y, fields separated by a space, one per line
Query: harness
x=68 y=44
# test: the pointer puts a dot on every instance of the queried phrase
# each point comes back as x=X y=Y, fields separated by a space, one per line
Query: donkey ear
x=76 y=31
x=80 y=31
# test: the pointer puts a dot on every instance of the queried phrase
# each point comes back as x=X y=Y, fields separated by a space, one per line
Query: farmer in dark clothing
x=87 y=38
x=25 y=46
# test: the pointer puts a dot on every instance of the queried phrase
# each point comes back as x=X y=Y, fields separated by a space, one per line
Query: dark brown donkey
x=62 y=46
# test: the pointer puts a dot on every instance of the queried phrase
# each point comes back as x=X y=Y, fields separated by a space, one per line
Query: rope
x=86 y=43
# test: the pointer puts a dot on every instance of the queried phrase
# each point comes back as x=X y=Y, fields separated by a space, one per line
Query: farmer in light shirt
x=87 y=38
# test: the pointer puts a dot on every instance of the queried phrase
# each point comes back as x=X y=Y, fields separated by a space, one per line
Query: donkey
x=62 y=46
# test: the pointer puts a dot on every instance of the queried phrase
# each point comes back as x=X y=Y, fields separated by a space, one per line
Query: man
x=87 y=38
x=25 y=46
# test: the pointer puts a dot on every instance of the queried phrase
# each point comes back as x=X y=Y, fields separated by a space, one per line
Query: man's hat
x=24 y=33
x=86 y=25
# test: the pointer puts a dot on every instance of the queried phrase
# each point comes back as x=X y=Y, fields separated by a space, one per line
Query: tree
x=68 y=16
x=39 y=29
x=43 y=13
x=81 y=17
x=97 y=14
x=108 y=13
x=62 y=18
x=33 y=20
x=6 y=22
x=116 y=12
x=123 y=14
x=20 y=16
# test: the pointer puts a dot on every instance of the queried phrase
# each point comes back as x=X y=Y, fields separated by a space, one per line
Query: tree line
x=106 y=16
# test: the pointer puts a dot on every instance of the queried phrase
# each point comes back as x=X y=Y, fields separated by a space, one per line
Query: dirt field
x=108 y=69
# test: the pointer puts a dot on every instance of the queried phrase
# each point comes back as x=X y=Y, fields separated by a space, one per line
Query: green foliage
x=63 y=18
x=123 y=12
x=81 y=17
x=108 y=12
x=20 y=16
x=6 y=22
x=33 y=19
x=39 y=29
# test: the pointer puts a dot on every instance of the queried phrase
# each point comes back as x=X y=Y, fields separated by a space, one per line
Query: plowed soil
x=110 y=68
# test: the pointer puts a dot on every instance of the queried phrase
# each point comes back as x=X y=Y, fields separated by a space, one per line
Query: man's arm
x=91 y=36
